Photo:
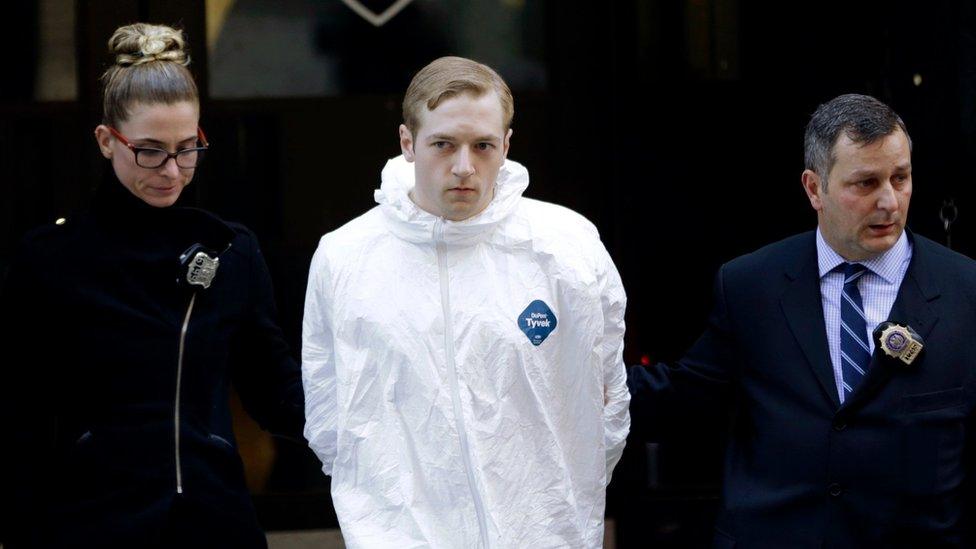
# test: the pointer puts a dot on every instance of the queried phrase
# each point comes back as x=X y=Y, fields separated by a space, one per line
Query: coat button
x=840 y=425
x=835 y=490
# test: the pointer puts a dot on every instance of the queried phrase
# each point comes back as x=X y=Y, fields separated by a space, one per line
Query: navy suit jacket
x=892 y=467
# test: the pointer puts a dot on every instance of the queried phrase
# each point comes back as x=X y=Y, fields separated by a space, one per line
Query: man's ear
x=813 y=186
x=406 y=143
x=506 y=143
x=104 y=139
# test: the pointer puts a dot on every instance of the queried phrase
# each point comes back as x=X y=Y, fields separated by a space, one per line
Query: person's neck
x=847 y=255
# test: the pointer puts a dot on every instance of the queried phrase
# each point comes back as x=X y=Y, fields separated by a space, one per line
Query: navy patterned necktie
x=855 y=352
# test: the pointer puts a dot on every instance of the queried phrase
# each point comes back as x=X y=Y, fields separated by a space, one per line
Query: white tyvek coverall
x=440 y=422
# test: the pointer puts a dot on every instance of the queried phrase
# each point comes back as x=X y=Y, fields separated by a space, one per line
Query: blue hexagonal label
x=537 y=321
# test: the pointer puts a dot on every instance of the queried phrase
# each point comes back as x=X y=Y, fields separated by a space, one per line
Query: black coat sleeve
x=27 y=424
x=265 y=373
x=668 y=400
x=969 y=494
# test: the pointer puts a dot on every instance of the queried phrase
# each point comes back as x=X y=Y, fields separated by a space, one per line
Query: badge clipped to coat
x=198 y=267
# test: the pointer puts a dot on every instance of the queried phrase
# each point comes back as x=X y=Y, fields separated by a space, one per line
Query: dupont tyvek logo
x=537 y=321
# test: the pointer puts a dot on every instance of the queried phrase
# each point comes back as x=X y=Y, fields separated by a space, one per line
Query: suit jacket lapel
x=916 y=302
x=914 y=306
x=803 y=308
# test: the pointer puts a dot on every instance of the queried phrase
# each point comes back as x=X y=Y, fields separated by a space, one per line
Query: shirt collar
x=887 y=265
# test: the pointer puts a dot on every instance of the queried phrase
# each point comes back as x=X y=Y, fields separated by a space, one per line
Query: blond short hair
x=150 y=67
x=449 y=77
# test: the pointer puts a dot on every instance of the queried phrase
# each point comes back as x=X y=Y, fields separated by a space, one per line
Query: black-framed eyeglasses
x=152 y=158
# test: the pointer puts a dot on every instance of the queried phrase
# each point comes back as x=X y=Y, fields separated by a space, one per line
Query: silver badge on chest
x=202 y=270
x=200 y=266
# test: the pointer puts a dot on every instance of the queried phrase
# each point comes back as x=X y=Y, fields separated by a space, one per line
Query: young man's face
x=863 y=211
x=457 y=152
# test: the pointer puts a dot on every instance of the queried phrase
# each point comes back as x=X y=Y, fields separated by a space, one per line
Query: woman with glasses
x=135 y=320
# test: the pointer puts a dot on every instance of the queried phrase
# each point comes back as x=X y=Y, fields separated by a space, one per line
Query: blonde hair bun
x=150 y=67
x=143 y=43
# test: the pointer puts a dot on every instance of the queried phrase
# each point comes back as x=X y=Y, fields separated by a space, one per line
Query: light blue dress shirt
x=878 y=287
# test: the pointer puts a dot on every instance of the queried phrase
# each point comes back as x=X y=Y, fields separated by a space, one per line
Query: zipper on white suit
x=479 y=506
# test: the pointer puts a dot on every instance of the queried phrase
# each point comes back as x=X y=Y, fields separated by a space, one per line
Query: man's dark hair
x=862 y=118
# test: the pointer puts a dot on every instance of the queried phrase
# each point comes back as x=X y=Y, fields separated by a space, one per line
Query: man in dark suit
x=841 y=435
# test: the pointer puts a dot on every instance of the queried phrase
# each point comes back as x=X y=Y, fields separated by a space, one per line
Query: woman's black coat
x=107 y=440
